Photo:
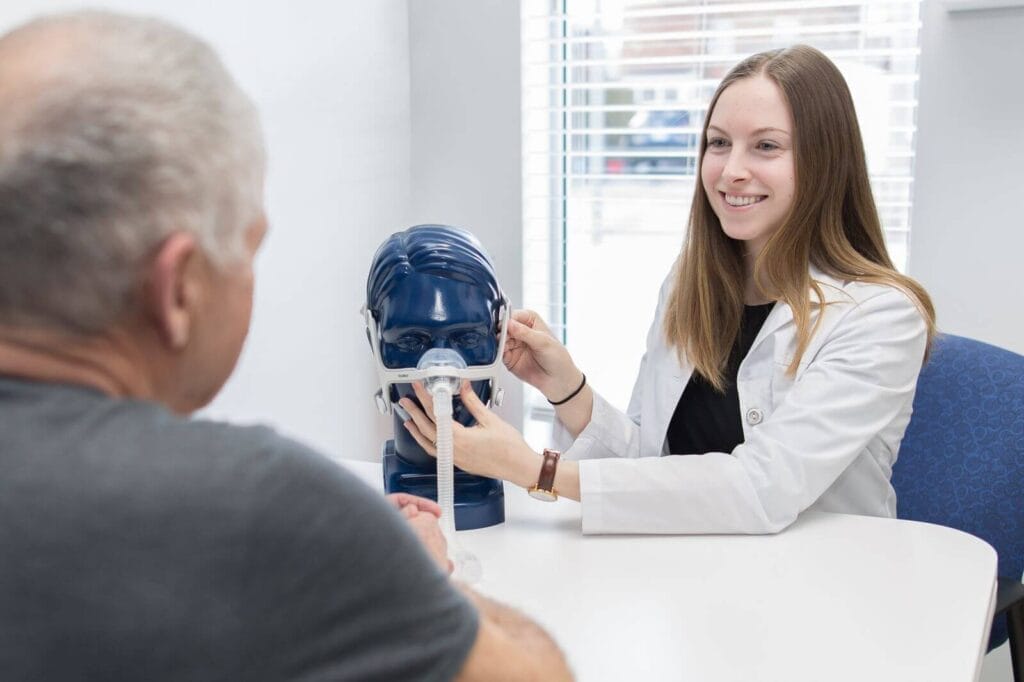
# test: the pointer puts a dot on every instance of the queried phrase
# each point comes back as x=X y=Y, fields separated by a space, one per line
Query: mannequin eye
x=467 y=340
x=410 y=343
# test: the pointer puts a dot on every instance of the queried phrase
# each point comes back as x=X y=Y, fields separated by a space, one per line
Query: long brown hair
x=833 y=223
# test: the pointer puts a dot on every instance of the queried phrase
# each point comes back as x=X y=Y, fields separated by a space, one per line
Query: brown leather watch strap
x=546 y=480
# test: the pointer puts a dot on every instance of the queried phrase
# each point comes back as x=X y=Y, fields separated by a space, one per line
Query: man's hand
x=422 y=515
x=401 y=500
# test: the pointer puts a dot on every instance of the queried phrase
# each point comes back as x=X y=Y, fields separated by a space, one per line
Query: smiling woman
x=748 y=170
x=781 y=127
x=785 y=347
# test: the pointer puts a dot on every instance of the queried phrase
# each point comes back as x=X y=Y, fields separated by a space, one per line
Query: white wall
x=967 y=233
x=332 y=84
x=466 y=139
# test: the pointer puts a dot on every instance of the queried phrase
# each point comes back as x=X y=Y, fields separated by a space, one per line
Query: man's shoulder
x=218 y=438
x=129 y=424
x=139 y=451
x=256 y=458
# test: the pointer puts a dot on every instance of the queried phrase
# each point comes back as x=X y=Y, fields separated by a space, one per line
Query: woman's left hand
x=492 y=447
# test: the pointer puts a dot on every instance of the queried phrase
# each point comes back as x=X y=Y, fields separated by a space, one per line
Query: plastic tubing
x=467 y=566
x=442 y=394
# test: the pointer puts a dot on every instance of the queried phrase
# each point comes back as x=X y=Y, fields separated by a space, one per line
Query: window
x=614 y=97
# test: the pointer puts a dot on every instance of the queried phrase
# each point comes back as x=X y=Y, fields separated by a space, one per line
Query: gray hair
x=124 y=131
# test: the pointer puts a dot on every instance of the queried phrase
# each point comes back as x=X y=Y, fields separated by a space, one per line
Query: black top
x=706 y=420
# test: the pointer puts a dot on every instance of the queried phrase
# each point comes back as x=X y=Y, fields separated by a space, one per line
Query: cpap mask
x=442 y=367
x=442 y=371
x=431 y=370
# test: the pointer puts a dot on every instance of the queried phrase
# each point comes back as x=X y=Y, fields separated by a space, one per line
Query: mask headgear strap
x=388 y=377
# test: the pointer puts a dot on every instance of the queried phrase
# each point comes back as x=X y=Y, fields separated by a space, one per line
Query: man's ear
x=172 y=288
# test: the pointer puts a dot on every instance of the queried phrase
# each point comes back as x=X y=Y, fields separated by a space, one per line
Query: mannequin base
x=479 y=501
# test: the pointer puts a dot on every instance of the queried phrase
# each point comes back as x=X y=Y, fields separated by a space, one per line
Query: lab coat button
x=754 y=416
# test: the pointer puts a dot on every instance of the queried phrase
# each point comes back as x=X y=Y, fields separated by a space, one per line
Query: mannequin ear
x=172 y=288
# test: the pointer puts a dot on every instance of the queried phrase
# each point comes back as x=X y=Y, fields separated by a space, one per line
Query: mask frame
x=389 y=377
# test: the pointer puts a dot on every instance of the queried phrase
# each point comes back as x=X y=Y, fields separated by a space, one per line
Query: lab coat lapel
x=670 y=389
x=782 y=314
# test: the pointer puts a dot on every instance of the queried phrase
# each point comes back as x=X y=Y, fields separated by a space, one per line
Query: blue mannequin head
x=433 y=286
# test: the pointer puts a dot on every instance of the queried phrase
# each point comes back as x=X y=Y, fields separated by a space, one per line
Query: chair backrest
x=961 y=463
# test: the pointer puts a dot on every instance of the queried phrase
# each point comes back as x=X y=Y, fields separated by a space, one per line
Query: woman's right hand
x=534 y=355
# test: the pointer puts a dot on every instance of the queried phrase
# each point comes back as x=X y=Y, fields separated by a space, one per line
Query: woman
x=785 y=348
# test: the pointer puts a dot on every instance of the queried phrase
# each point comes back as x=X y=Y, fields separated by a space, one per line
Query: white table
x=835 y=597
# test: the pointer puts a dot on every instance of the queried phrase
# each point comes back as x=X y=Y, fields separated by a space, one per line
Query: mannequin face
x=426 y=311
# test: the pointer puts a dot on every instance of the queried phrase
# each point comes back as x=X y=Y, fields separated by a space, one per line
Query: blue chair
x=961 y=463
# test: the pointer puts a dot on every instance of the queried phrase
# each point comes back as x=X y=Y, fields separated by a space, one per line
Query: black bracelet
x=573 y=394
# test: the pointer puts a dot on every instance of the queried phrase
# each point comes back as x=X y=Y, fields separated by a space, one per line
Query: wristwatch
x=545 y=488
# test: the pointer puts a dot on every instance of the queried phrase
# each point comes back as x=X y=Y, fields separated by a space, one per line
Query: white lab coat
x=824 y=440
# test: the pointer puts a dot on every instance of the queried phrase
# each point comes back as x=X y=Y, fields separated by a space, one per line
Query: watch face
x=545 y=495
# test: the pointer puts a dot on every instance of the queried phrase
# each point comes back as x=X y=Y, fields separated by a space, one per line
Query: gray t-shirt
x=137 y=545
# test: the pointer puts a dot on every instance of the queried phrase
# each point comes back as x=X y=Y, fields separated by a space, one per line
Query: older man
x=136 y=543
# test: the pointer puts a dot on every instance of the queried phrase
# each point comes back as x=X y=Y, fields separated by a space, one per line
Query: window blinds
x=614 y=96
